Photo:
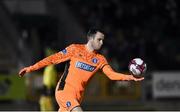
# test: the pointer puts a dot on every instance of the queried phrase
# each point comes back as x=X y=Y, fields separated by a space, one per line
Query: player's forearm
x=53 y=59
x=115 y=75
x=118 y=76
x=40 y=64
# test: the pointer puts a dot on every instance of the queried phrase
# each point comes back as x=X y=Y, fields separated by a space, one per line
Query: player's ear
x=90 y=38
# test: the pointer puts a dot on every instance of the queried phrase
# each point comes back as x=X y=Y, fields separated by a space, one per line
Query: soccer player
x=83 y=62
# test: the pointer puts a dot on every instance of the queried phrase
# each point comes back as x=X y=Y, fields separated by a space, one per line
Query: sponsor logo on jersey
x=85 y=66
x=94 y=60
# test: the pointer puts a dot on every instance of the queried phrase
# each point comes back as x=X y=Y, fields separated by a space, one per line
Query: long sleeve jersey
x=82 y=66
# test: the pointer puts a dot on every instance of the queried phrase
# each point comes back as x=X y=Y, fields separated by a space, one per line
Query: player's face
x=98 y=41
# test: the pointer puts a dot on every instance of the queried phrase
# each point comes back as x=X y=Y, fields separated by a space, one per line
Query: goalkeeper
x=83 y=61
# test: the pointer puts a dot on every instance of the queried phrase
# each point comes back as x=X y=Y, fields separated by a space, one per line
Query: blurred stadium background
x=134 y=28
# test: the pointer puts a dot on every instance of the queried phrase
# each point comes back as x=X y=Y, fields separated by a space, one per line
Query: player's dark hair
x=92 y=32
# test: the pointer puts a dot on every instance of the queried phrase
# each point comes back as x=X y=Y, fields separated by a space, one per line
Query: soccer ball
x=137 y=67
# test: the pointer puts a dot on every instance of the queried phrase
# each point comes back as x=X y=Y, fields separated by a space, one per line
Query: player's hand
x=24 y=71
x=138 y=79
x=131 y=77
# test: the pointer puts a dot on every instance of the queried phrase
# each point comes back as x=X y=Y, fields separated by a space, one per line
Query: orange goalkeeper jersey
x=82 y=65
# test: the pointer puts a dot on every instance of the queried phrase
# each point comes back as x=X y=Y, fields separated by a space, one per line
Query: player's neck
x=89 y=47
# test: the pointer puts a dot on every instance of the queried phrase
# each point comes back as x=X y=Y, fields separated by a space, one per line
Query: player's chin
x=98 y=48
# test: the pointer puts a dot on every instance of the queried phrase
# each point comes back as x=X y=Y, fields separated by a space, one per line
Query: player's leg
x=77 y=108
x=67 y=102
x=71 y=109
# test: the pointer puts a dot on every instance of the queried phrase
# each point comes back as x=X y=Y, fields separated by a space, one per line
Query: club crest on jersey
x=64 y=51
x=94 y=60
x=68 y=103
x=85 y=66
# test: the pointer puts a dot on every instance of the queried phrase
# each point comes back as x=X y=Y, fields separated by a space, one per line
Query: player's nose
x=101 y=42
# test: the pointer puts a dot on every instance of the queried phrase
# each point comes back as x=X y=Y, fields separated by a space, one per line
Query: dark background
x=148 y=29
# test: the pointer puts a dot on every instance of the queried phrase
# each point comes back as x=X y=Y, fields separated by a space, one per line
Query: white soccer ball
x=137 y=67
